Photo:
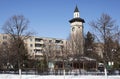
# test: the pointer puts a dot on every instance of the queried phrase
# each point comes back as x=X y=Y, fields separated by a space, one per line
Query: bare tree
x=66 y=50
x=22 y=56
x=75 y=48
x=75 y=43
x=4 y=56
x=16 y=27
x=105 y=30
x=49 y=51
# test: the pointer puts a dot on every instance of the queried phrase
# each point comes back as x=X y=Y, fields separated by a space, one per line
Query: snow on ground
x=13 y=76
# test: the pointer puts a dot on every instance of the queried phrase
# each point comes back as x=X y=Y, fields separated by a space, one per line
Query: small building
x=73 y=65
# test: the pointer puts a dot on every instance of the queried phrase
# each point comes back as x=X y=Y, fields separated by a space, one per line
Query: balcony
x=39 y=40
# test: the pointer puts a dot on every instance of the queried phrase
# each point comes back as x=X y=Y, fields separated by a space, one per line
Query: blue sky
x=49 y=18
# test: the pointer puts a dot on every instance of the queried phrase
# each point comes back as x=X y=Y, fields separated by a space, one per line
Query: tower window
x=77 y=15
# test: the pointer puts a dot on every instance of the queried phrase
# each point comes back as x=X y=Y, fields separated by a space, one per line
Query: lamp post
x=111 y=62
x=65 y=66
x=112 y=54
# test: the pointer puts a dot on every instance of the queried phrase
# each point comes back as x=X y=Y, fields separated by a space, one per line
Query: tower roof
x=76 y=17
x=76 y=9
x=77 y=20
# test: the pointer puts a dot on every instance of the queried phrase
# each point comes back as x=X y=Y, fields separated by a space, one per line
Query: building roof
x=77 y=20
x=76 y=9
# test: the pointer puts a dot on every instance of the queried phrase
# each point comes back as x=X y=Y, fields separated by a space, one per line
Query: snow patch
x=14 y=76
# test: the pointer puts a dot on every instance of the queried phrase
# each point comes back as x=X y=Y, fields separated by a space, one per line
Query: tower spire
x=76 y=9
x=76 y=12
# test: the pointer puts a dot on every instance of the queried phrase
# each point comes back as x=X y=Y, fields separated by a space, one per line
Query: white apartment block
x=37 y=45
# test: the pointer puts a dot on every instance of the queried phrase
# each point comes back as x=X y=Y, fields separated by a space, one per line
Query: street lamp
x=111 y=63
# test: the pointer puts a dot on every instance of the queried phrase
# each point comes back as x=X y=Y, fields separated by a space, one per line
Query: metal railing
x=58 y=72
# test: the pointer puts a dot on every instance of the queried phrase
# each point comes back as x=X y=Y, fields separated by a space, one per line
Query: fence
x=58 y=72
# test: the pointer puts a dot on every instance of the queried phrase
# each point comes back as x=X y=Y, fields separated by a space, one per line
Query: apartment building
x=4 y=39
x=37 y=45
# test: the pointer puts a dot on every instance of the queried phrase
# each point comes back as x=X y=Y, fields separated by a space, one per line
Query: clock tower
x=76 y=22
x=77 y=28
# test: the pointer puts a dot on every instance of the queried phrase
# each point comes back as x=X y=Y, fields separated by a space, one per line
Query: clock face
x=73 y=28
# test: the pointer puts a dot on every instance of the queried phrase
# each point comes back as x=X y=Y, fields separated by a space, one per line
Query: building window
x=58 y=47
x=57 y=41
x=4 y=37
x=30 y=39
x=4 y=43
x=38 y=50
x=31 y=45
x=80 y=26
x=39 y=45
x=50 y=41
x=38 y=39
x=30 y=50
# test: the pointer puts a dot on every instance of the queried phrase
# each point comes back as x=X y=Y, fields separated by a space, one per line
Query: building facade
x=38 y=46
x=77 y=38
